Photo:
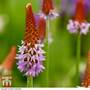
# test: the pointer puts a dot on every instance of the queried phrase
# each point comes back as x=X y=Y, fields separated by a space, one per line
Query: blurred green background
x=62 y=51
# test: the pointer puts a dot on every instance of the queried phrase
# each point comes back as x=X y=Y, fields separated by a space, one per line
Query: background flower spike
x=42 y=28
x=86 y=80
x=48 y=10
x=47 y=6
x=80 y=11
x=79 y=22
x=8 y=63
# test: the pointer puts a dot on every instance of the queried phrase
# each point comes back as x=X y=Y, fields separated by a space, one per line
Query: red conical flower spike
x=42 y=28
x=10 y=59
x=30 y=33
x=86 y=81
x=79 y=24
x=47 y=6
x=80 y=11
x=31 y=55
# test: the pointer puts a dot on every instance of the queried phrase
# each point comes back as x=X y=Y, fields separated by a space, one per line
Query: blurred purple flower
x=87 y=5
x=74 y=26
x=68 y=6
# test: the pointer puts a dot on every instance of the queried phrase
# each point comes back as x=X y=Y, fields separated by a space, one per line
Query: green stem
x=29 y=81
x=78 y=57
x=47 y=62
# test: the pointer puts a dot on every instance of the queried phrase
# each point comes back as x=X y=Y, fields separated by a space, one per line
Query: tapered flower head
x=80 y=12
x=79 y=23
x=8 y=63
x=47 y=6
x=31 y=55
x=47 y=9
x=31 y=35
x=86 y=80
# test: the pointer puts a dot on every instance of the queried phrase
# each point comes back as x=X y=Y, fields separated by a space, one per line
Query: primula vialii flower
x=6 y=66
x=48 y=9
x=79 y=24
x=31 y=55
x=86 y=80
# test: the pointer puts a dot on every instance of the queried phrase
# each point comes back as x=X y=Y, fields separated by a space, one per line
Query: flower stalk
x=78 y=57
x=29 y=81
x=47 y=37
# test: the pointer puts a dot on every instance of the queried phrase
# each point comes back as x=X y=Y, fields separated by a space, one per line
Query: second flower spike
x=79 y=23
x=31 y=54
x=48 y=10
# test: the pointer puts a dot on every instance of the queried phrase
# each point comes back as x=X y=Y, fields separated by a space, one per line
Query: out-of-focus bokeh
x=62 y=50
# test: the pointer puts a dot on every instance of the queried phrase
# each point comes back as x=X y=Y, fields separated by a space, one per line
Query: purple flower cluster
x=75 y=26
x=30 y=59
x=52 y=14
